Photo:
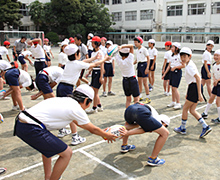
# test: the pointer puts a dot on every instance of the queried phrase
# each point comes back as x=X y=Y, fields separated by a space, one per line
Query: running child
x=4 y=50
x=166 y=68
x=62 y=57
x=194 y=93
x=25 y=56
x=48 y=52
x=140 y=119
x=206 y=68
x=176 y=66
x=142 y=67
x=153 y=56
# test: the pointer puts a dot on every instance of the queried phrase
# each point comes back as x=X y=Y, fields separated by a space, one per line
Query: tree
x=53 y=37
x=9 y=13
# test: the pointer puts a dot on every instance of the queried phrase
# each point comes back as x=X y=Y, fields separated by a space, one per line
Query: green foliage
x=53 y=37
x=76 y=29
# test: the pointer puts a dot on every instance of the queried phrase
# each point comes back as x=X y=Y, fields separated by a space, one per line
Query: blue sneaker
x=205 y=131
x=126 y=148
x=155 y=162
x=150 y=89
x=179 y=130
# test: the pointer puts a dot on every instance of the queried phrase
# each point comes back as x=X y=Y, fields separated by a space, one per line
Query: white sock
x=74 y=134
x=147 y=96
x=218 y=108
x=140 y=96
x=208 y=106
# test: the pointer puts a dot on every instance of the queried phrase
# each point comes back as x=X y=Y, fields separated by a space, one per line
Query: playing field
x=187 y=157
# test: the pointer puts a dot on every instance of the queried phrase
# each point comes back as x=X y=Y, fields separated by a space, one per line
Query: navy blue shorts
x=39 y=65
x=81 y=74
x=216 y=90
x=141 y=115
x=130 y=86
x=64 y=89
x=175 y=78
x=40 y=139
x=90 y=53
x=95 y=79
x=167 y=76
x=0 y=57
x=108 y=70
x=12 y=76
x=42 y=83
x=47 y=57
x=141 y=67
x=204 y=73
x=21 y=60
x=151 y=63
x=192 y=93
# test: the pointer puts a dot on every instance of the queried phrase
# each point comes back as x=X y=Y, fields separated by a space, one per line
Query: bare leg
x=1 y=83
x=109 y=84
x=140 y=81
x=193 y=111
x=128 y=127
x=49 y=95
x=212 y=98
x=187 y=105
x=47 y=167
x=104 y=84
x=96 y=100
x=209 y=86
x=146 y=85
x=128 y=101
x=152 y=77
x=17 y=96
x=73 y=127
x=136 y=99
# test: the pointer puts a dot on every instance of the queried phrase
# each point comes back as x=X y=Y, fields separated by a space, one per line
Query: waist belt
x=127 y=78
x=66 y=84
x=40 y=59
x=142 y=62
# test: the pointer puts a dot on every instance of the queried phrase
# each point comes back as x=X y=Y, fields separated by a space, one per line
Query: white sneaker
x=4 y=98
x=172 y=104
x=177 y=106
x=100 y=109
x=91 y=111
x=165 y=93
x=63 y=132
x=77 y=139
x=104 y=94
x=168 y=94
x=15 y=108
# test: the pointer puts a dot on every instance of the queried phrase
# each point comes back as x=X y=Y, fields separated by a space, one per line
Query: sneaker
x=147 y=101
x=110 y=93
x=100 y=109
x=168 y=94
x=179 y=130
x=172 y=104
x=205 y=131
x=177 y=106
x=104 y=94
x=91 y=111
x=204 y=116
x=15 y=108
x=126 y=148
x=4 y=98
x=150 y=89
x=77 y=139
x=216 y=121
x=165 y=93
x=63 y=132
x=2 y=170
x=155 y=162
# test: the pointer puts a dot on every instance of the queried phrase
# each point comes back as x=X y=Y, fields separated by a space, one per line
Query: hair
x=123 y=54
x=72 y=57
x=136 y=39
x=97 y=44
x=80 y=97
x=23 y=37
x=61 y=50
x=32 y=83
x=181 y=54
x=177 y=51
x=78 y=37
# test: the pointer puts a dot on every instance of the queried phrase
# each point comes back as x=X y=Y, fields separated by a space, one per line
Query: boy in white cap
x=194 y=93
x=143 y=61
x=62 y=57
x=89 y=44
x=153 y=56
x=24 y=55
x=142 y=118
x=215 y=89
x=125 y=61
x=206 y=68
x=33 y=126
x=4 y=50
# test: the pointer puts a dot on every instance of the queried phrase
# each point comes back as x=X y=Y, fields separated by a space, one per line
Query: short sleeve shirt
x=62 y=58
x=47 y=48
x=24 y=78
x=83 y=51
x=89 y=44
x=216 y=71
x=25 y=53
x=141 y=54
x=152 y=52
x=54 y=73
x=168 y=55
x=3 y=50
x=19 y=45
x=207 y=56
x=4 y=65
x=38 y=51
x=175 y=60
x=190 y=71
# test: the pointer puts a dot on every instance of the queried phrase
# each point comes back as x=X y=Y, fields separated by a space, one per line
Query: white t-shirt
x=4 y=65
x=141 y=54
x=168 y=55
x=175 y=61
x=24 y=78
x=62 y=58
x=216 y=71
x=207 y=56
x=89 y=44
x=103 y=49
x=25 y=53
x=72 y=71
x=152 y=52
x=56 y=113
x=3 y=50
x=38 y=52
x=54 y=73
x=190 y=71
x=101 y=57
x=47 y=48
x=126 y=66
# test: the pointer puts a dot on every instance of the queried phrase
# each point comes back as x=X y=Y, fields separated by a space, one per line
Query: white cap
x=64 y=43
x=186 y=50
x=164 y=118
x=71 y=49
x=109 y=42
x=124 y=50
x=176 y=44
x=210 y=42
x=91 y=35
x=217 y=52
x=152 y=41
x=87 y=90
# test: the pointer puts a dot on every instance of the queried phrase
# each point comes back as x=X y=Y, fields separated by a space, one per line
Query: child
x=103 y=45
x=166 y=68
x=176 y=75
x=47 y=51
x=62 y=57
x=153 y=56
x=125 y=61
x=4 y=50
x=194 y=93
x=140 y=119
x=215 y=89
x=89 y=44
x=22 y=56
x=205 y=70
x=142 y=67
x=3 y=66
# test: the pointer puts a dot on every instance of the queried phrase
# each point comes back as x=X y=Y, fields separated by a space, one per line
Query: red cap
x=96 y=38
x=104 y=38
x=47 y=40
x=72 y=41
x=6 y=43
x=35 y=42
x=140 y=39
x=168 y=43
x=71 y=38
x=15 y=64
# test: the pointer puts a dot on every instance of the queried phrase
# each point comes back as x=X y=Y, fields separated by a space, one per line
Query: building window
x=216 y=8
x=117 y=16
x=24 y=10
x=24 y=28
x=104 y=2
x=130 y=15
x=129 y=1
x=116 y=1
x=196 y=9
x=146 y=14
x=175 y=10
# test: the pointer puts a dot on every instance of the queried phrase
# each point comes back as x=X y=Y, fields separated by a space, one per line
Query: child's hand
x=215 y=83
x=209 y=75
x=123 y=132
x=200 y=98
